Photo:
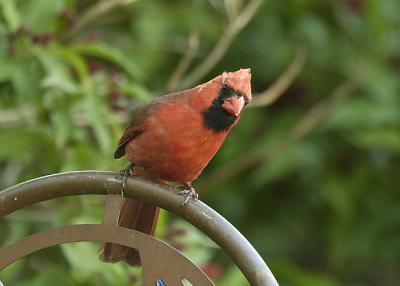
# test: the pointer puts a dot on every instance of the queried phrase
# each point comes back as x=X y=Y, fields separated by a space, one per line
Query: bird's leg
x=125 y=173
x=189 y=193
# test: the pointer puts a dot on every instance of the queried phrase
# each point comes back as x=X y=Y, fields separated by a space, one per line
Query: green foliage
x=321 y=207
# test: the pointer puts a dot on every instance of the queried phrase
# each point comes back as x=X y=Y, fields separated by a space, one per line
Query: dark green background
x=311 y=180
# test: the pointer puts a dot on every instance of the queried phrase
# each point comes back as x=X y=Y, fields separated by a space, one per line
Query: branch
x=181 y=68
x=233 y=8
x=93 y=13
x=222 y=46
x=301 y=129
x=323 y=108
x=271 y=94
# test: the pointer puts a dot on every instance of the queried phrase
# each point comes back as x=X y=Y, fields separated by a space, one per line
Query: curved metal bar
x=196 y=212
x=159 y=260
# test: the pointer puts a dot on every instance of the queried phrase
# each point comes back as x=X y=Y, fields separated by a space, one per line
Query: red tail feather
x=135 y=215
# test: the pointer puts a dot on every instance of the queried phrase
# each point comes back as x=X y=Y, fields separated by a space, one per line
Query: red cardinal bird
x=173 y=141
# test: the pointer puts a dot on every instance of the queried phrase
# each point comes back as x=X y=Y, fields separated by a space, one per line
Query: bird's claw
x=188 y=194
x=125 y=173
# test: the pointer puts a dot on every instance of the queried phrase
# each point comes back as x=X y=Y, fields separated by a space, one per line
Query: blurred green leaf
x=27 y=88
x=11 y=14
x=110 y=54
x=233 y=277
x=19 y=143
x=41 y=16
x=198 y=245
x=292 y=275
x=290 y=160
x=83 y=259
x=378 y=138
x=7 y=69
x=136 y=90
x=52 y=276
x=58 y=75
x=361 y=113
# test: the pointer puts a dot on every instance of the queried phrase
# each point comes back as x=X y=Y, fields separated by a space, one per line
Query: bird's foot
x=189 y=193
x=125 y=173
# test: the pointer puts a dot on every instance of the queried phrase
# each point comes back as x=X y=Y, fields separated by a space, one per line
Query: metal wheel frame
x=109 y=183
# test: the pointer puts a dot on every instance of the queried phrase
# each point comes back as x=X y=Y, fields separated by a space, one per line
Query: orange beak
x=234 y=105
